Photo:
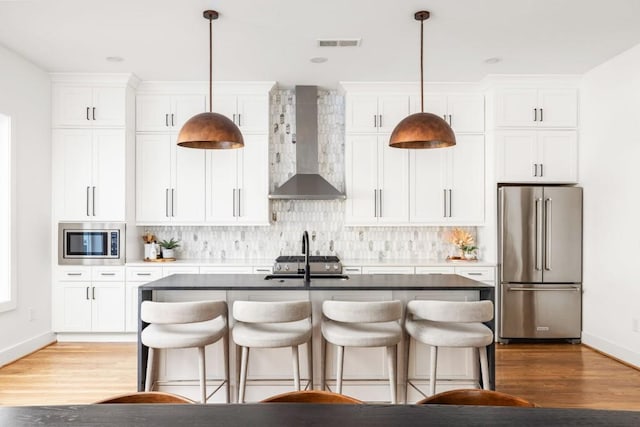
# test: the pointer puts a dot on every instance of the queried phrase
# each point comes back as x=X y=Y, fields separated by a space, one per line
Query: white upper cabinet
x=249 y=112
x=89 y=174
x=377 y=181
x=463 y=112
x=161 y=113
x=366 y=113
x=447 y=184
x=237 y=183
x=170 y=181
x=537 y=156
x=543 y=108
x=86 y=106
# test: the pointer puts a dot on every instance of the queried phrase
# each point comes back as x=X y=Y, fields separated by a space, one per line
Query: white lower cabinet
x=81 y=304
x=136 y=277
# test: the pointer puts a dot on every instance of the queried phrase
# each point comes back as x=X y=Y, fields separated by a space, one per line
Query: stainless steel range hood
x=307 y=184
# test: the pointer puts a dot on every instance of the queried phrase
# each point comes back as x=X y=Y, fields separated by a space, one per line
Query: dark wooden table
x=360 y=282
x=305 y=414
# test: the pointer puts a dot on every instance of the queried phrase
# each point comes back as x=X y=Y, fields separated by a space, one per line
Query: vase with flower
x=464 y=242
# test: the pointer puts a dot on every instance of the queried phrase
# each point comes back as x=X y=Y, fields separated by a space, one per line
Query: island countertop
x=354 y=282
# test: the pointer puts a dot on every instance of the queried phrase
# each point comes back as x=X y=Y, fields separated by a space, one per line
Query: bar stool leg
x=407 y=355
x=203 y=375
x=392 y=365
x=225 y=350
x=434 y=364
x=484 y=367
x=296 y=367
x=323 y=364
x=243 y=374
x=310 y=363
x=149 y=378
x=340 y=362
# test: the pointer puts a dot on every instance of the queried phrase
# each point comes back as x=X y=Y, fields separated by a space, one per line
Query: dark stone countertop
x=354 y=282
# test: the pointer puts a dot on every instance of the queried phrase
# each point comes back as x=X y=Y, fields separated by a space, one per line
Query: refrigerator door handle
x=547 y=227
x=565 y=289
x=539 y=234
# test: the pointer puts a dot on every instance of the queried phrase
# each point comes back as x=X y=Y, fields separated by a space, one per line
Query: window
x=7 y=273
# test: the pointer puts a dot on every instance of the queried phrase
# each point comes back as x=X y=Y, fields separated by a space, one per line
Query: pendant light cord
x=210 y=65
x=421 y=66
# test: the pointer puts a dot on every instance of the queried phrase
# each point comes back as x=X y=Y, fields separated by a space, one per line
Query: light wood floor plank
x=551 y=375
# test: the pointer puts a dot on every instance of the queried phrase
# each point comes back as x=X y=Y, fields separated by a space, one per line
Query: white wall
x=25 y=95
x=609 y=162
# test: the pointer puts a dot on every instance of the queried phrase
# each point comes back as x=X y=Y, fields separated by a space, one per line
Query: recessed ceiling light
x=493 y=60
x=115 y=58
x=318 y=59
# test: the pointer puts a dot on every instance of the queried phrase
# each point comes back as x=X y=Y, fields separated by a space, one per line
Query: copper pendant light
x=422 y=130
x=211 y=131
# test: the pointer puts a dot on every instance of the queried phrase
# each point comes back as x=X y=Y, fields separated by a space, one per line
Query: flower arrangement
x=464 y=241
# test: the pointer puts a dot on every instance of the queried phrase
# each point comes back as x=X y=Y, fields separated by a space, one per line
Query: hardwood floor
x=551 y=375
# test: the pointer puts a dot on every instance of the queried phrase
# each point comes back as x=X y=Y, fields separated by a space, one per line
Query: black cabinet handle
x=88 y=114
x=93 y=113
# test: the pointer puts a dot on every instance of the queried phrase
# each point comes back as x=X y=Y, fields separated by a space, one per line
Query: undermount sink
x=301 y=276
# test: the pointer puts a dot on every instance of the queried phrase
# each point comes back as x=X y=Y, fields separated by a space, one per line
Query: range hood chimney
x=306 y=184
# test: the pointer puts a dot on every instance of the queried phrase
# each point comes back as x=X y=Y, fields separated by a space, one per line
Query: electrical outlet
x=31 y=314
x=635 y=327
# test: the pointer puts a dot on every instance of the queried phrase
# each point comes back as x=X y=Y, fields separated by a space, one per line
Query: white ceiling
x=275 y=39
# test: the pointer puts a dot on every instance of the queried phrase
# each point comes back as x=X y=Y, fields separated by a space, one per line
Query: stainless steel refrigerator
x=540 y=262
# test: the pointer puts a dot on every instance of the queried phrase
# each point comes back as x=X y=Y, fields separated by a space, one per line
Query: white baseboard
x=97 y=337
x=611 y=349
x=19 y=350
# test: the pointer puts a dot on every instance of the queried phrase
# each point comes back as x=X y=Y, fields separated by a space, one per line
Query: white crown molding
x=202 y=87
x=106 y=79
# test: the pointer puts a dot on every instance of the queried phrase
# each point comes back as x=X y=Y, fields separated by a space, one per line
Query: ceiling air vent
x=339 y=43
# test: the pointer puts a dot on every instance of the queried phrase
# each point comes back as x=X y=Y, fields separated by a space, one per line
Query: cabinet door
x=466 y=180
x=188 y=192
x=109 y=104
x=153 y=112
x=362 y=113
x=107 y=311
x=558 y=156
x=361 y=177
x=515 y=107
x=73 y=307
x=72 y=106
x=227 y=105
x=72 y=169
x=393 y=182
x=253 y=113
x=559 y=108
x=183 y=107
x=153 y=178
x=253 y=181
x=108 y=189
x=131 y=306
x=391 y=110
x=222 y=186
x=516 y=156
x=466 y=113
x=428 y=186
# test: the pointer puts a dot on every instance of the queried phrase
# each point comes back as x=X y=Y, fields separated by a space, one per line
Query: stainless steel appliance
x=540 y=262
x=91 y=243
x=319 y=265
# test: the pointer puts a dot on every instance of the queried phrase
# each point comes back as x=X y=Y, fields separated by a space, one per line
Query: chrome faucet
x=305 y=252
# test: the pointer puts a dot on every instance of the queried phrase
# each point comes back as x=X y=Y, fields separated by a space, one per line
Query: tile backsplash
x=324 y=219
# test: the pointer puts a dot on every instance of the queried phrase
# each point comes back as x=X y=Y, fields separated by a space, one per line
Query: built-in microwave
x=91 y=243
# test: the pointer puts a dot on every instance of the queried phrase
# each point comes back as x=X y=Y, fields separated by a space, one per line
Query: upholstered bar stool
x=450 y=324
x=263 y=324
x=185 y=325
x=363 y=324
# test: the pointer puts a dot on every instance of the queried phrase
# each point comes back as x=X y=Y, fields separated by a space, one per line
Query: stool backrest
x=312 y=396
x=147 y=397
x=476 y=397
x=362 y=311
x=451 y=311
x=270 y=311
x=181 y=312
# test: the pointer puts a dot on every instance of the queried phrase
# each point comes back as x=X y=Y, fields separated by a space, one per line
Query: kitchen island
x=365 y=287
